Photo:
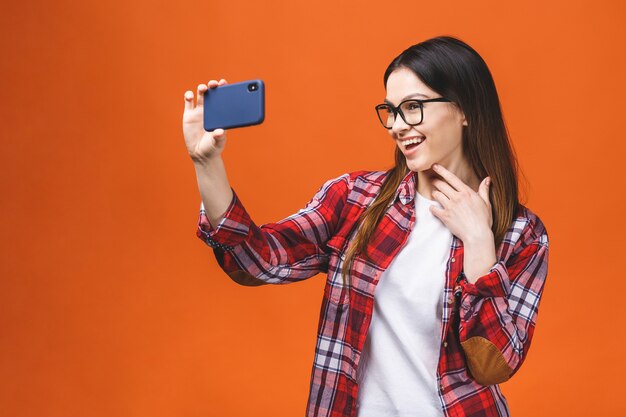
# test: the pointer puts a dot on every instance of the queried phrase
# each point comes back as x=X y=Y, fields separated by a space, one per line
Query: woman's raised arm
x=205 y=149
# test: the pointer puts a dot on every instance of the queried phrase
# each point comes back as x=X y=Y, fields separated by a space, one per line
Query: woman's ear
x=463 y=118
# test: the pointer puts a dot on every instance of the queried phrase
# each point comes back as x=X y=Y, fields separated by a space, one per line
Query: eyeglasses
x=411 y=111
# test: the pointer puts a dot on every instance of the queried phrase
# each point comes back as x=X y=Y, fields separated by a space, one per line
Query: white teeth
x=411 y=141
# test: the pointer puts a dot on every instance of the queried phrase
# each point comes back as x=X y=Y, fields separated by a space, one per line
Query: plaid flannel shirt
x=486 y=328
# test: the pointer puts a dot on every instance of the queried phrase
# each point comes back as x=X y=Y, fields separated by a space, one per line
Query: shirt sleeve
x=498 y=312
x=287 y=251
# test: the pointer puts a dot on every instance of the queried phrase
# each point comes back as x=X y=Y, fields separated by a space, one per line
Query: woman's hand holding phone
x=202 y=146
x=205 y=149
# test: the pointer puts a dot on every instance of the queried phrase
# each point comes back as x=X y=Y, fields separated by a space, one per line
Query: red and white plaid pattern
x=501 y=306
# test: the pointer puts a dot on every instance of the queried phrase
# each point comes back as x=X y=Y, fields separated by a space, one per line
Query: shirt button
x=445 y=344
x=449 y=300
x=441 y=387
x=452 y=260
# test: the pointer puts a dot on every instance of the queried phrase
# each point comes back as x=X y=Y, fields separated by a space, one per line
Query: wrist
x=479 y=238
x=211 y=169
x=206 y=161
x=479 y=256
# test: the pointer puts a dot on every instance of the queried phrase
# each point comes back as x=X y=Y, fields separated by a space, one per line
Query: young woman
x=435 y=270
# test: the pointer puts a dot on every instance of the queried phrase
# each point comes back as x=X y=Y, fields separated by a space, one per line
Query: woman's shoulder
x=527 y=228
x=363 y=180
x=369 y=176
x=356 y=187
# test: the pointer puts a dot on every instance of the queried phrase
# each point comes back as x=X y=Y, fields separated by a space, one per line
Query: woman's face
x=440 y=131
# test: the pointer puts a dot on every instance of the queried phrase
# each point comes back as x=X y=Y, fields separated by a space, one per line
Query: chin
x=418 y=166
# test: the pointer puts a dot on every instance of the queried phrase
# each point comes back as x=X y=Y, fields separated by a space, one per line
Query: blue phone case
x=234 y=105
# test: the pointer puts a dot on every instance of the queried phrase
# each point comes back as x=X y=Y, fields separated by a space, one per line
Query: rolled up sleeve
x=232 y=230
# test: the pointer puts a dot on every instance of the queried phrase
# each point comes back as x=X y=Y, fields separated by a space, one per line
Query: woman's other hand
x=466 y=213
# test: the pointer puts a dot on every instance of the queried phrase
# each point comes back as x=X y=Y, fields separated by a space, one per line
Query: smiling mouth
x=412 y=143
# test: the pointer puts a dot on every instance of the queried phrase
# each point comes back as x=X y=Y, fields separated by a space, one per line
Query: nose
x=399 y=125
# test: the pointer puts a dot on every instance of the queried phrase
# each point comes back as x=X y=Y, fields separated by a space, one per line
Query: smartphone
x=234 y=105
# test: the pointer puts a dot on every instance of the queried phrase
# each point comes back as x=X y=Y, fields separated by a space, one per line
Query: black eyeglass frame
x=397 y=110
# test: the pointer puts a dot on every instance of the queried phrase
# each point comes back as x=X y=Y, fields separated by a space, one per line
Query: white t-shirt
x=397 y=372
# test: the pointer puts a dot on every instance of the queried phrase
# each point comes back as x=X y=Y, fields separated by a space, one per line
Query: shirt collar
x=406 y=190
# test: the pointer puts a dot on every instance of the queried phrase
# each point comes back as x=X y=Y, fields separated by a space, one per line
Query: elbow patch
x=242 y=277
x=485 y=361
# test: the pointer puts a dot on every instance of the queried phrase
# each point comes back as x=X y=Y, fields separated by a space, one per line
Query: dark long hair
x=453 y=69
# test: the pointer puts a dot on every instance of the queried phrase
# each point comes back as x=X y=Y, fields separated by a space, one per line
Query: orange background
x=109 y=303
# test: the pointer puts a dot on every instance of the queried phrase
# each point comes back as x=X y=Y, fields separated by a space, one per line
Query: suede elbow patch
x=244 y=278
x=485 y=361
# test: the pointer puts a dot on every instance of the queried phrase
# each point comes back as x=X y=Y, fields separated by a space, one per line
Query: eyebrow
x=407 y=97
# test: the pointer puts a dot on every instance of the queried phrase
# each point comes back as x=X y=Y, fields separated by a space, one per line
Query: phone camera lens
x=253 y=87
